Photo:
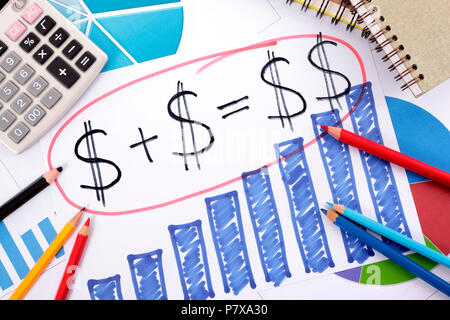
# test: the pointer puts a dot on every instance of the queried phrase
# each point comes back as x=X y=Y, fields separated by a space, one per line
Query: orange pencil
x=390 y=155
x=73 y=263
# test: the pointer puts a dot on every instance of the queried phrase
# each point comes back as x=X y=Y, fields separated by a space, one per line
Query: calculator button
x=72 y=49
x=86 y=61
x=37 y=86
x=32 y=13
x=3 y=48
x=2 y=77
x=10 y=62
x=29 y=42
x=19 y=132
x=8 y=91
x=45 y=25
x=15 y=30
x=7 y=118
x=63 y=72
x=34 y=116
x=59 y=37
x=51 y=98
x=21 y=103
x=24 y=74
x=43 y=54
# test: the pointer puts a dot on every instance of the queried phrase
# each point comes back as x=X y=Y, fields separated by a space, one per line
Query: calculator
x=46 y=64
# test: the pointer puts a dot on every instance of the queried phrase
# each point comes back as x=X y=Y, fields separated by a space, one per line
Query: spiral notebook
x=410 y=32
x=414 y=36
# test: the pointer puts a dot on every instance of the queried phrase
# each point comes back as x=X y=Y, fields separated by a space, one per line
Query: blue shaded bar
x=305 y=210
x=5 y=279
x=266 y=225
x=13 y=252
x=105 y=289
x=148 y=275
x=379 y=174
x=341 y=178
x=225 y=220
x=33 y=246
x=50 y=234
x=192 y=261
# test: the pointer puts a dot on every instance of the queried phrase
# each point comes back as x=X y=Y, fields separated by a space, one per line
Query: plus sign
x=144 y=143
x=62 y=72
x=42 y=54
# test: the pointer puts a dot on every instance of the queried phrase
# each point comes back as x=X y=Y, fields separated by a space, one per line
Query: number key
x=37 y=86
x=7 y=118
x=24 y=74
x=10 y=62
x=21 y=103
x=18 y=132
x=7 y=91
x=34 y=116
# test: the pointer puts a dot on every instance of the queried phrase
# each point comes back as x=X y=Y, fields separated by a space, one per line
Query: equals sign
x=232 y=103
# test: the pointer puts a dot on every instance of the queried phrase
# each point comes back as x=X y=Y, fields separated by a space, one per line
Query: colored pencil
x=74 y=262
x=390 y=155
x=388 y=251
x=391 y=234
x=46 y=257
x=29 y=192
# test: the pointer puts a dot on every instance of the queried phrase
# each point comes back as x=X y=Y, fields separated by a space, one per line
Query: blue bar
x=192 y=262
x=225 y=220
x=379 y=175
x=5 y=279
x=148 y=275
x=105 y=289
x=341 y=179
x=266 y=225
x=13 y=252
x=32 y=245
x=305 y=211
x=50 y=234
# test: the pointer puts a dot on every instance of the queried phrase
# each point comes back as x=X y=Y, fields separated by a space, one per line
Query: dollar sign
x=279 y=91
x=95 y=162
x=327 y=72
x=180 y=98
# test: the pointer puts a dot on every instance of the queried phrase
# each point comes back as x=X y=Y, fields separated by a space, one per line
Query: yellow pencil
x=46 y=257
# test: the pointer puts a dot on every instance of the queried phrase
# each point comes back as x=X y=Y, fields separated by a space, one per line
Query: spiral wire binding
x=336 y=18
x=384 y=30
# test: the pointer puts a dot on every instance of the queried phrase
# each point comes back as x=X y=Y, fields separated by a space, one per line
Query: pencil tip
x=59 y=169
x=76 y=218
x=325 y=128
x=324 y=211
x=330 y=204
x=88 y=222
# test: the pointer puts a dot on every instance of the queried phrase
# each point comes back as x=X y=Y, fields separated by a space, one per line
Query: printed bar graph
x=225 y=220
x=148 y=275
x=105 y=289
x=16 y=257
x=341 y=179
x=50 y=234
x=266 y=225
x=379 y=175
x=5 y=279
x=12 y=251
x=192 y=261
x=32 y=245
x=305 y=211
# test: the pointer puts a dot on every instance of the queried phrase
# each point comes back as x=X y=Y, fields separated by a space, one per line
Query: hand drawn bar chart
x=15 y=257
x=229 y=235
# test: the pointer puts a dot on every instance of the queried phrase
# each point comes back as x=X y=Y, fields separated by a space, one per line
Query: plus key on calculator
x=46 y=64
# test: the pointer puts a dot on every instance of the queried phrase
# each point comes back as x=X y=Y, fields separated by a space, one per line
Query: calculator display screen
x=3 y=3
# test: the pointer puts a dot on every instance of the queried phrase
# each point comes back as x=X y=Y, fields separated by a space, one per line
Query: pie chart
x=129 y=31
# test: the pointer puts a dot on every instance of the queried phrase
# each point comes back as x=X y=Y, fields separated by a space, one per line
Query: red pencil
x=72 y=264
x=390 y=155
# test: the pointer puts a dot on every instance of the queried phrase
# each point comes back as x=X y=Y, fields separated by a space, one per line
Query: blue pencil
x=392 y=234
x=388 y=251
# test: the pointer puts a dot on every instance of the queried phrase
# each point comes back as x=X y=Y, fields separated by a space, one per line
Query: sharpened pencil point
x=60 y=169
x=325 y=128
x=88 y=222
x=324 y=211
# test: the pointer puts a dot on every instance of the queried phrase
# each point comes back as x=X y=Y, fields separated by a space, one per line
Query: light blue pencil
x=391 y=234
x=391 y=253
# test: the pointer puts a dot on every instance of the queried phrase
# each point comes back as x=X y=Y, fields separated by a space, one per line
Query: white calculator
x=46 y=64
